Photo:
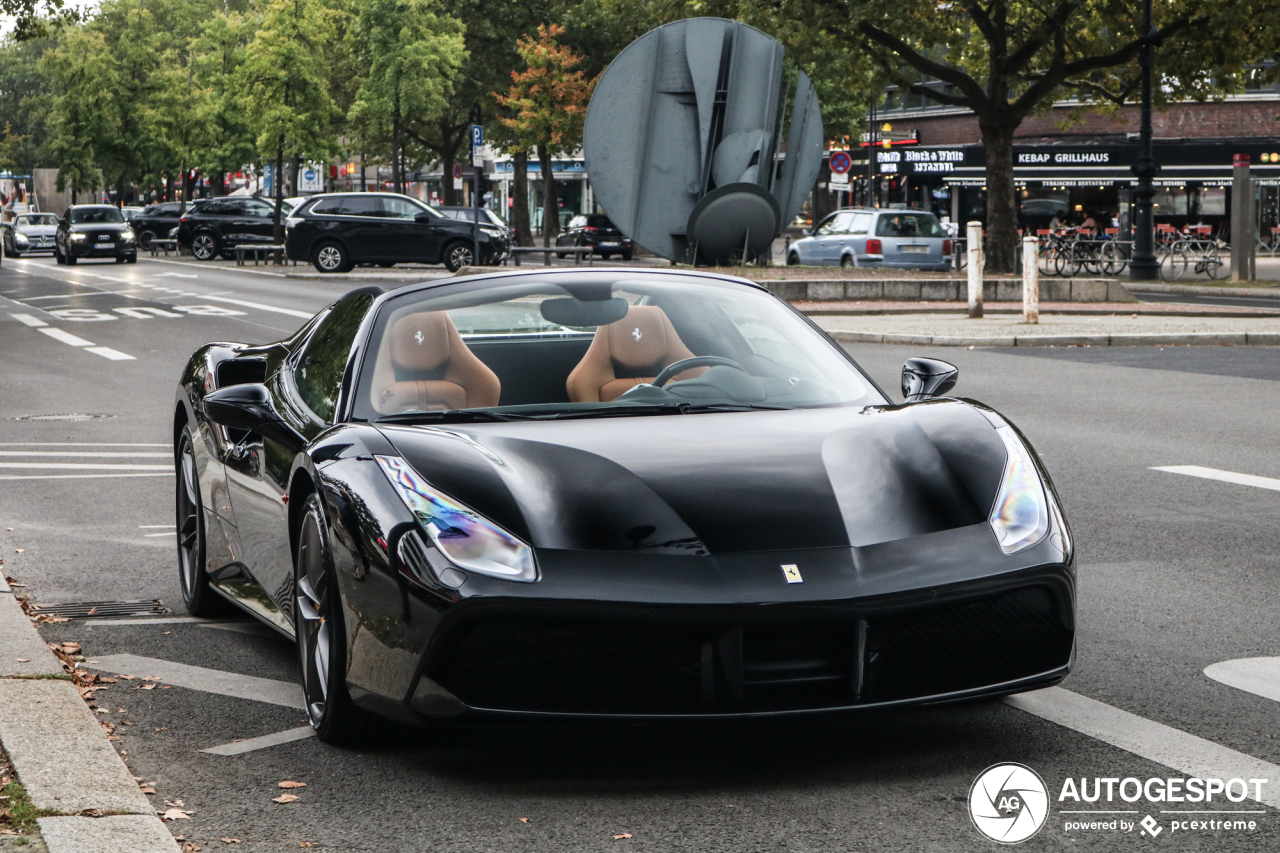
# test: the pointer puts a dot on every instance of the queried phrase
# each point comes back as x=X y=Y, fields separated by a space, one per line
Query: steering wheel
x=678 y=367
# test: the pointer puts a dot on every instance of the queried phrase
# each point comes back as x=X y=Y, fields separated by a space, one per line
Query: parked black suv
x=216 y=226
x=339 y=230
x=94 y=231
x=598 y=232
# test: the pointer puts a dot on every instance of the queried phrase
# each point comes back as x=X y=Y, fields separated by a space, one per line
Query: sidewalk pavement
x=1146 y=328
x=61 y=755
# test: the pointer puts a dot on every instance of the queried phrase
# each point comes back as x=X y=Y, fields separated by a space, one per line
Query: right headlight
x=77 y=238
x=1020 y=517
x=465 y=538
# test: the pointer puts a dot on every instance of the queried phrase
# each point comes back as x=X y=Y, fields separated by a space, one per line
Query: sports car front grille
x=790 y=664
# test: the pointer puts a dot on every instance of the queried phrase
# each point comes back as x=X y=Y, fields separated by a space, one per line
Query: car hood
x=99 y=226
x=36 y=230
x=723 y=482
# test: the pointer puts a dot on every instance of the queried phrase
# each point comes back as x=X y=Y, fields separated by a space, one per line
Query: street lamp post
x=1144 y=266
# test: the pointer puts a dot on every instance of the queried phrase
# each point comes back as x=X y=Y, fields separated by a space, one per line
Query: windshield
x=95 y=215
x=37 y=219
x=581 y=345
x=908 y=225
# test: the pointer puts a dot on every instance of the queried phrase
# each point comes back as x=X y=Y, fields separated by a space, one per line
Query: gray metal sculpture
x=681 y=137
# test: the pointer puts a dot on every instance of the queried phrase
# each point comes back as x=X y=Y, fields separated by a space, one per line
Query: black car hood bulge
x=723 y=482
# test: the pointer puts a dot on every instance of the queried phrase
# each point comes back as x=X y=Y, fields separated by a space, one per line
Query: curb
x=1216 y=339
x=61 y=754
x=1193 y=290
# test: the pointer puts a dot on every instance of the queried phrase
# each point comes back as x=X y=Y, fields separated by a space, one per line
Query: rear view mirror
x=568 y=311
x=248 y=407
x=923 y=378
x=424 y=217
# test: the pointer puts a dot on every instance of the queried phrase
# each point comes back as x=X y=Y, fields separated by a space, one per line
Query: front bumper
x=103 y=250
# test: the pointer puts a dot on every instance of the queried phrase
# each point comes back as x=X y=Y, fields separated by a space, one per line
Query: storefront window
x=1170 y=201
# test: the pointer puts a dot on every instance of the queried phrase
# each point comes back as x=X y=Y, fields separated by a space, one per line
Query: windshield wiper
x=665 y=409
x=448 y=416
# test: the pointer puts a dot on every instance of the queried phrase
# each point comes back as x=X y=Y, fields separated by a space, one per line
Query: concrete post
x=973 y=243
x=1030 y=280
x=1244 y=232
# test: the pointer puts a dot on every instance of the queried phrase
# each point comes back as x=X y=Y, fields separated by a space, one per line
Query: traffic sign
x=840 y=162
x=457 y=171
x=477 y=135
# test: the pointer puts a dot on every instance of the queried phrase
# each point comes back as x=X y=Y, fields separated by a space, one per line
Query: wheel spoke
x=309 y=602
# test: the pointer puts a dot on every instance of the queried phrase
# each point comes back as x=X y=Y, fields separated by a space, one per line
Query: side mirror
x=923 y=378
x=424 y=217
x=248 y=407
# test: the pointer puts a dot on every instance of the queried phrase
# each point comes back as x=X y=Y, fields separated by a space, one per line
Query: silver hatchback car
x=869 y=237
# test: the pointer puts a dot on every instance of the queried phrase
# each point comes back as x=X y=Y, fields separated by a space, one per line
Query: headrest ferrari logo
x=418 y=337
x=792 y=574
x=635 y=333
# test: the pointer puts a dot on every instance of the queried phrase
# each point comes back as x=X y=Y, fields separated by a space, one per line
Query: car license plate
x=104 y=239
x=918 y=250
x=609 y=244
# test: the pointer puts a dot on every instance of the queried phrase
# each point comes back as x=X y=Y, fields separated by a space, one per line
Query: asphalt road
x=1176 y=573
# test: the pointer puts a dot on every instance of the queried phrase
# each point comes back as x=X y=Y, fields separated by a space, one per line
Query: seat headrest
x=420 y=342
x=640 y=338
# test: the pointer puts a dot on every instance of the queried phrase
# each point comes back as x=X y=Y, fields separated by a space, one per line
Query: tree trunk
x=1002 y=211
x=520 y=198
x=218 y=184
x=277 y=188
x=550 y=205
x=448 y=157
x=397 y=162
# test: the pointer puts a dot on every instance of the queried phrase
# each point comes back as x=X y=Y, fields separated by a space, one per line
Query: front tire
x=457 y=255
x=145 y=238
x=793 y=260
x=197 y=595
x=58 y=257
x=204 y=246
x=318 y=625
x=331 y=257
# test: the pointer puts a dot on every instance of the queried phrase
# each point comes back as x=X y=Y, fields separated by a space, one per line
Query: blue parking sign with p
x=477 y=135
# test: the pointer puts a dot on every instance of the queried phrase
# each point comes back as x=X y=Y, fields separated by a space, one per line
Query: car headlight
x=127 y=235
x=292 y=221
x=492 y=232
x=20 y=239
x=1020 y=517
x=465 y=538
x=77 y=238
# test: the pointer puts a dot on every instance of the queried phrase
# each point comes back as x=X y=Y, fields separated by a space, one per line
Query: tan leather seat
x=638 y=346
x=434 y=368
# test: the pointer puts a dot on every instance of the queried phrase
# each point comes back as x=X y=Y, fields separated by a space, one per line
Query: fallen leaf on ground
x=174 y=803
x=71 y=648
x=145 y=687
x=290 y=784
x=622 y=836
x=105 y=680
x=92 y=813
x=148 y=790
x=151 y=678
x=176 y=814
x=163 y=729
x=127 y=723
x=165 y=687
x=524 y=820
x=285 y=798
x=45 y=619
x=21 y=551
x=24 y=660
x=93 y=611
x=305 y=844
x=226 y=840
x=166 y=632
x=125 y=677
x=190 y=847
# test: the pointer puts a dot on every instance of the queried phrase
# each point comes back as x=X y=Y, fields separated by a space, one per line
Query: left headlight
x=127 y=235
x=77 y=238
x=467 y=539
x=1020 y=517
x=20 y=239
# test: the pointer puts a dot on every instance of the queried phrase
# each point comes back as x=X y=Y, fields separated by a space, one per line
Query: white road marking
x=112 y=454
x=113 y=354
x=28 y=320
x=174 y=275
x=267 y=690
x=243 y=746
x=1223 y=476
x=82 y=476
x=1147 y=739
x=1259 y=676
x=72 y=444
x=86 y=466
x=154 y=526
x=245 y=304
x=150 y=535
x=159 y=620
x=65 y=337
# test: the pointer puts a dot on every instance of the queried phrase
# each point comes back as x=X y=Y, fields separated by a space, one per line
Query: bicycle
x=1198 y=254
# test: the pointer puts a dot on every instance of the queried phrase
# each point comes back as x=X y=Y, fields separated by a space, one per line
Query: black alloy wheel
x=70 y=259
x=318 y=626
x=197 y=594
x=145 y=238
x=793 y=260
x=331 y=257
x=458 y=255
x=204 y=246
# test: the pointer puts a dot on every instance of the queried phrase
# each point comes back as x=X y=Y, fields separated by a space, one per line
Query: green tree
x=284 y=87
x=219 y=50
x=24 y=104
x=1008 y=59
x=549 y=102
x=34 y=19
x=410 y=52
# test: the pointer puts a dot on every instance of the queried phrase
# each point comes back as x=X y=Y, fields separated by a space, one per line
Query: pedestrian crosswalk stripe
x=1223 y=476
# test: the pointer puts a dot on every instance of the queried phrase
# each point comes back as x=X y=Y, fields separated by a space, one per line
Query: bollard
x=1030 y=280
x=974 y=245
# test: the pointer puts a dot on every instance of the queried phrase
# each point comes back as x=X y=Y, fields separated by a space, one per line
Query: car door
x=829 y=238
x=305 y=391
x=256 y=221
x=361 y=228
x=412 y=229
x=854 y=241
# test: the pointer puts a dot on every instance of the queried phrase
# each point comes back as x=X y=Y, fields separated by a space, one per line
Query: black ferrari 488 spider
x=612 y=493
